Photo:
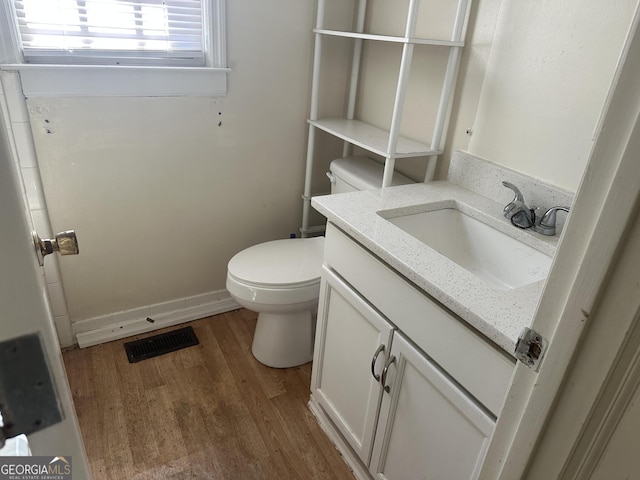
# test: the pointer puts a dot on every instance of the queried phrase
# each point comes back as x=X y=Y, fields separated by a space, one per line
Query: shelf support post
x=313 y=115
x=355 y=69
x=398 y=105
x=449 y=83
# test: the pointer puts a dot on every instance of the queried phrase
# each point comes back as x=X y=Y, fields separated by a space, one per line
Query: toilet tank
x=349 y=174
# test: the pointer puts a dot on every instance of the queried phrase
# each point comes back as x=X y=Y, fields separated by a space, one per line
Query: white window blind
x=117 y=32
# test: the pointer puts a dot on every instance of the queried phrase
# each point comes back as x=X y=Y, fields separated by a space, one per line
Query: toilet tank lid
x=279 y=263
x=363 y=172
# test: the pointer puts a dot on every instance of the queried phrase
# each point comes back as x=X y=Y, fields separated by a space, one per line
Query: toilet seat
x=279 y=272
x=289 y=263
x=260 y=297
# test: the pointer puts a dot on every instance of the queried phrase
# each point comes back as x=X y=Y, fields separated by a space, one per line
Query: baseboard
x=106 y=328
x=349 y=457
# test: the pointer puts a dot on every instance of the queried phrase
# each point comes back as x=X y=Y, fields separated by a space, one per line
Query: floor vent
x=160 y=344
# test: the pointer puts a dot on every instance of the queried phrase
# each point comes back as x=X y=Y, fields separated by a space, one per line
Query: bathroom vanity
x=414 y=352
x=403 y=381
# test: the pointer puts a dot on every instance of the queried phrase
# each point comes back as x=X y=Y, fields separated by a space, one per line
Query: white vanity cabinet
x=402 y=386
x=428 y=427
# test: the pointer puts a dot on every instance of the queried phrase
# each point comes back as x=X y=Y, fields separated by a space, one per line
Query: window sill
x=124 y=81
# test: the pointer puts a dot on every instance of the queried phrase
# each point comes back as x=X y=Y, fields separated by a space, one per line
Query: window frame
x=121 y=80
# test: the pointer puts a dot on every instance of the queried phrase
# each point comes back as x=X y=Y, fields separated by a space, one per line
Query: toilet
x=280 y=279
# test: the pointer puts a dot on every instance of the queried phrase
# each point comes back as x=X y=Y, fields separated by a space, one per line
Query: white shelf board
x=372 y=138
x=389 y=38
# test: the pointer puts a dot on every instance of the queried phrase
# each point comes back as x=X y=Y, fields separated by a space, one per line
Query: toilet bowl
x=281 y=279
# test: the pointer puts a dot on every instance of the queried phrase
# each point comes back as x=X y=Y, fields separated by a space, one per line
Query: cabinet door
x=428 y=427
x=352 y=344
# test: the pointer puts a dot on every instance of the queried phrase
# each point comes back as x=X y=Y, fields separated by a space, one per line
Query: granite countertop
x=500 y=315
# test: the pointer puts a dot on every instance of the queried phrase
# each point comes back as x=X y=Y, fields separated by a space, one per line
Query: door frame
x=603 y=212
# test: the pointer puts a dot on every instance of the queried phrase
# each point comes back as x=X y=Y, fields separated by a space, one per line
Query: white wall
x=533 y=80
x=547 y=79
x=160 y=194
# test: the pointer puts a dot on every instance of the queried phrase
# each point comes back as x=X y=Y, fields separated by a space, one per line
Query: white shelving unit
x=388 y=144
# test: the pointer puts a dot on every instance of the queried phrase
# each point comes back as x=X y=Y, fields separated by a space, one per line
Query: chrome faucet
x=547 y=223
x=516 y=210
x=522 y=216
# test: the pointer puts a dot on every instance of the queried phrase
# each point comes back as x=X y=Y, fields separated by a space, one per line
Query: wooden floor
x=205 y=412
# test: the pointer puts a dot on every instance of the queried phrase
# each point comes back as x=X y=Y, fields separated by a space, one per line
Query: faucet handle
x=515 y=205
x=518 y=194
x=547 y=224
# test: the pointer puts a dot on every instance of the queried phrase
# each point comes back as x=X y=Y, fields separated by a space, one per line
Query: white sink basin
x=496 y=258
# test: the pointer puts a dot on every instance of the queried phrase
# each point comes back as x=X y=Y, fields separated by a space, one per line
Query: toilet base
x=285 y=339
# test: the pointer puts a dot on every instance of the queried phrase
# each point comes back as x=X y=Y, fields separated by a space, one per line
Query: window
x=113 y=32
x=115 y=47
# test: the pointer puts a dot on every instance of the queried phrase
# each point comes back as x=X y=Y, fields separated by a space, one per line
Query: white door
x=24 y=310
x=429 y=427
x=604 y=209
x=351 y=347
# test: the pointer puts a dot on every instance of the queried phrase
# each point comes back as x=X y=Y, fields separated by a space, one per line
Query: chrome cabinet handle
x=387 y=388
x=374 y=360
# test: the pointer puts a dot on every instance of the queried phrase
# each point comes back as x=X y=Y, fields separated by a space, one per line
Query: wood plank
x=136 y=407
x=209 y=411
x=269 y=379
x=109 y=420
